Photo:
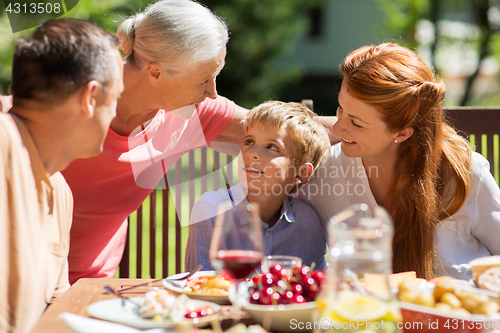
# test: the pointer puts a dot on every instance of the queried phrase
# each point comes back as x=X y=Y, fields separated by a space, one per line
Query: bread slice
x=376 y=284
x=490 y=279
x=480 y=265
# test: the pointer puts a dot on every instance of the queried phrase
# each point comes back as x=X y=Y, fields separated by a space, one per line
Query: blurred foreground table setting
x=88 y=291
x=357 y=293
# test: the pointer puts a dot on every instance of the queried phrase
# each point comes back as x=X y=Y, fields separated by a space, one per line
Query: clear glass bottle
x=355 y=296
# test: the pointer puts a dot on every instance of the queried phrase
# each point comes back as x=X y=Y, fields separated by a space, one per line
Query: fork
x=113 y=291
x=176 y=279
x=196 y=269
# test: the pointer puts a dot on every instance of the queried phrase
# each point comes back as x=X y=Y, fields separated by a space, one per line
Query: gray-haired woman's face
x=193 y=85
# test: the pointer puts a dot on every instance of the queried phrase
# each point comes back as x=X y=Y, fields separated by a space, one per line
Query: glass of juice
x=237 y=246
x=360 y=256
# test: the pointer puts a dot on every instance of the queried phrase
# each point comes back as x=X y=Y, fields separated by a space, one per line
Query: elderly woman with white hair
x=174 y=51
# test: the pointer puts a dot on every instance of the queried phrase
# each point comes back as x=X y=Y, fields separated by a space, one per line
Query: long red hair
x=434 y=160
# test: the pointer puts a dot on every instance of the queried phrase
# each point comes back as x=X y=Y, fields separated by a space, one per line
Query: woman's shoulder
x=336 y=163
x=479 y=163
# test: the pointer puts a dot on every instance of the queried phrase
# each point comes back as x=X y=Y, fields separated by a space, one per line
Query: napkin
x=80 y=324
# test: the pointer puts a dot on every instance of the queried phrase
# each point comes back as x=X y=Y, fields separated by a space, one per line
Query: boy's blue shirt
x=298 y=231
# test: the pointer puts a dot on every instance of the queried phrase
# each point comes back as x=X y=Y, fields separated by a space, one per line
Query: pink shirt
x=109 y=187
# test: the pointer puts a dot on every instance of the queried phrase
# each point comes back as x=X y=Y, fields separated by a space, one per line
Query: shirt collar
x=286 y=211
x=238 y=195
x=42 y=180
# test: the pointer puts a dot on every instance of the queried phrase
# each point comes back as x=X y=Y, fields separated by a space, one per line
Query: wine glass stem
x=236 y=308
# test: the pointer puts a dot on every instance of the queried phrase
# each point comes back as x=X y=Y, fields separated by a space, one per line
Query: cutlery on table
x=188 y=275
x=113 y=291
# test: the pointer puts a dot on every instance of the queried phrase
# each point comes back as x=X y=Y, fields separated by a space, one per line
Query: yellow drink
x=357 y=313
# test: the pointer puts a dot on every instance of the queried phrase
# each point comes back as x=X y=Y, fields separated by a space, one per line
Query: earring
x=396 y=141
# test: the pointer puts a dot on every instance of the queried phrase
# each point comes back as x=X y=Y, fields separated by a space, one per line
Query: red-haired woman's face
x=363 y=133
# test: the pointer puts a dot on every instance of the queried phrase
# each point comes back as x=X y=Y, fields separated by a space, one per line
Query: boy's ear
x=304 y=173
x=88 y=101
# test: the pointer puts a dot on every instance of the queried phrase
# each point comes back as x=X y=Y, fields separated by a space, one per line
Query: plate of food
x=204 y=285
x=445 y=303
x=157 y=309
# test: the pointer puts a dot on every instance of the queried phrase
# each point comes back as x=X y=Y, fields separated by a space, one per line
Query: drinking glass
x=360 y=255
x=237 y=245
x=285 y=261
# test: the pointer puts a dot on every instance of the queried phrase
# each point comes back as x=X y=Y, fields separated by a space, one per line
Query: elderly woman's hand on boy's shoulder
x=328 y=122
x=5 y=103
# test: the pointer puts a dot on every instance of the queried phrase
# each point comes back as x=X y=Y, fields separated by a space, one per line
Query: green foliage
x=402 y=16
x=261 y=31
x=107 y=13
x=7 y=41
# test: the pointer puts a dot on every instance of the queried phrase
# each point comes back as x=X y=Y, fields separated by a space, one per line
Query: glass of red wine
x=237 y=246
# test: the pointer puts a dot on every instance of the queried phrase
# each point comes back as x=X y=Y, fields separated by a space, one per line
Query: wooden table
x=87 y=291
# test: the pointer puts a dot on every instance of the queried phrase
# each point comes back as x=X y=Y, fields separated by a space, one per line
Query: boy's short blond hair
x=311 y=140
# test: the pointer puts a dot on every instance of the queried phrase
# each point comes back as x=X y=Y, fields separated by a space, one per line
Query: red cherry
x=318 y=276
x=206 y=311
x=255 y=297
x=307 y=281
x=288 y=297
x=265 y=296
x=268 y=279
x=299 y=299
x=267 y=291
x=275 y=268
x=256 y=279
x=275 y=298
x=297 y=289
x=282 y=274
x=191 y=315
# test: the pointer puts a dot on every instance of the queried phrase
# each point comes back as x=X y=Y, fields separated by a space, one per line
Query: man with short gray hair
x=66 y=79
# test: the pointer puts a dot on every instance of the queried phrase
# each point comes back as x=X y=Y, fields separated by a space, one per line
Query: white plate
x=282 y=318
x=124 y=312
x=177 y=287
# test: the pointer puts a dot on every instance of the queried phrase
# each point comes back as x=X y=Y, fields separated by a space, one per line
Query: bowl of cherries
x=282 y=300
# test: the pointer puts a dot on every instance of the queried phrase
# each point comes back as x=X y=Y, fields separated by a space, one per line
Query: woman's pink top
x=109 y=187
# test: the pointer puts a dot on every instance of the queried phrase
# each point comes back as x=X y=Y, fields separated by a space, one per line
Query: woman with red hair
x=397 y=151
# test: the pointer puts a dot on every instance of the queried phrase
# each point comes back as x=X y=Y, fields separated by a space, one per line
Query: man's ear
x=88 y=101
x=304 y=173
x=154 y=72
x=404 y=134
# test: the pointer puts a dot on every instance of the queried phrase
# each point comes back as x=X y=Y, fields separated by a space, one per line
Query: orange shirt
x=35 y=220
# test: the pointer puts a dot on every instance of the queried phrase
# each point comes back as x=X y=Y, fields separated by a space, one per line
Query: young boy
x=284 y=144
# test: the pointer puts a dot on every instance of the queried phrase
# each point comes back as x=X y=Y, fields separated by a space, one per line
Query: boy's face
x=267 y=166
